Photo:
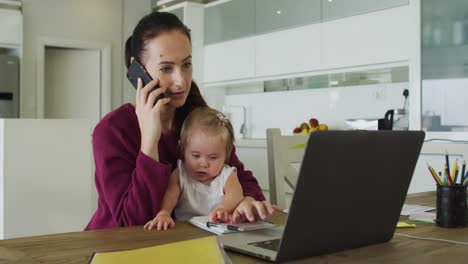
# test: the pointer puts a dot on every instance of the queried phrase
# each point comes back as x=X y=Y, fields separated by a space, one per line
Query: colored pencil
x=447 y=176
x=447 y=163
x=454 y=171
x=434 y=174
x=463 y=171
x=440 y=177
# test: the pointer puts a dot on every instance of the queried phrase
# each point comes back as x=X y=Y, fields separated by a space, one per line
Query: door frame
x=105 y=85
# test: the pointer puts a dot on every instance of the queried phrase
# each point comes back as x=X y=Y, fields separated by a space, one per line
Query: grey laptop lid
x=350 y=191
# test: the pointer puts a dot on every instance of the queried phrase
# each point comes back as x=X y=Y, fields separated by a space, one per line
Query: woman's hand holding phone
x=149 y=115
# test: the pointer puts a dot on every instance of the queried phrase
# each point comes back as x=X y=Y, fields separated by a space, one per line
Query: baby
x=202 y=183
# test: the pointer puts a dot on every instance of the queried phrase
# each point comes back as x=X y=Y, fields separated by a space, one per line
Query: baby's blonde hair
x=210 y=120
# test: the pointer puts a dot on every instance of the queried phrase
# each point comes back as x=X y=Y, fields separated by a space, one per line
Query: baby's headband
x=222 y=118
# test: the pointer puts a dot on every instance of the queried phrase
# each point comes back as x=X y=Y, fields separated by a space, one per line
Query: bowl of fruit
x=312 y=126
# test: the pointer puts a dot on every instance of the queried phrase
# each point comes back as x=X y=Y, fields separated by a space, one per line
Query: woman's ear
x=132 y=59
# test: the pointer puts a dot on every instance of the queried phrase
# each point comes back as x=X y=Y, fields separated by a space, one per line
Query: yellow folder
x=201 y=250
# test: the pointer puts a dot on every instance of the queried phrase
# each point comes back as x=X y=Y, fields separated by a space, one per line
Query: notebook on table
x=203 y=222
x=343 y=174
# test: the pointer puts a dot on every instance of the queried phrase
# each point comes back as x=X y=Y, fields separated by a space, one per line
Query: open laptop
x=350 y=191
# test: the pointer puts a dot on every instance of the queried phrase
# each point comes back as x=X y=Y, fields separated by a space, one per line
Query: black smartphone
x=135 y=71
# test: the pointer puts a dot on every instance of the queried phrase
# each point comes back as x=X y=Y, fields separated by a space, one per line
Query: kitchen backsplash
x=287 y=109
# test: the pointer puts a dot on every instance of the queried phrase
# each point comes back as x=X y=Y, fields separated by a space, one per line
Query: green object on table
x=298 y=146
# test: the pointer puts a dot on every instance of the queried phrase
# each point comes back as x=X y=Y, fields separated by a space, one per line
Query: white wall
x=332 y=106
x=46 y=176
x=103 y=21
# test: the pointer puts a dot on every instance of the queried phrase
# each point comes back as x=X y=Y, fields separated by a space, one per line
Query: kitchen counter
x=251 y=143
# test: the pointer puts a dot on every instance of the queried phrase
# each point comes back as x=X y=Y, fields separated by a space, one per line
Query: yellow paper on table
x=201 y=250
x=404 y=224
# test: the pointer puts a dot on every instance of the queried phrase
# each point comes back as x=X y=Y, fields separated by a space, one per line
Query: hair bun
x=128 y=51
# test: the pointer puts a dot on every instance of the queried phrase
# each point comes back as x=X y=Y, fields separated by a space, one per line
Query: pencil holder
x=452 y=210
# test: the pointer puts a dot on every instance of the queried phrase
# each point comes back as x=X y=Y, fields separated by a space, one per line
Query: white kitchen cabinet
x=275 y=15
x=11 y=28
x=337 y=9
x=290 y=51
x=253 y=153
x=373 y=38
x=230 y=60
x=223 y=21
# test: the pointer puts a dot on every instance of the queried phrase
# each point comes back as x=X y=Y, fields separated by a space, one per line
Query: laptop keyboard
x=268 y=244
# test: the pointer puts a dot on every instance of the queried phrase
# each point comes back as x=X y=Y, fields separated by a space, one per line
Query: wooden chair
x=282 y=172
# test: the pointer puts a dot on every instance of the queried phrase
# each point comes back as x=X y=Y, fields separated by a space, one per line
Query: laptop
x=349 y=194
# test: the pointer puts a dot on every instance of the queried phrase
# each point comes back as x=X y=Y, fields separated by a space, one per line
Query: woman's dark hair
x=149 y=27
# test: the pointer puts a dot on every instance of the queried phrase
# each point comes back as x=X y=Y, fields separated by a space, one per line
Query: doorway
x=93 y=62
x=72 y=83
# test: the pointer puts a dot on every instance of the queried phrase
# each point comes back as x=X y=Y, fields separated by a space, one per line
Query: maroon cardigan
x=131 y=185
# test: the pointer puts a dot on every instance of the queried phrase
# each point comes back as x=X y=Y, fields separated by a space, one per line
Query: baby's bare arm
x=163 y=220
x=233 y=195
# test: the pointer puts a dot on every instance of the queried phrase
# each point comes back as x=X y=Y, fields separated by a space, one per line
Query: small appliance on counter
x=396 y=119
x=9 y=86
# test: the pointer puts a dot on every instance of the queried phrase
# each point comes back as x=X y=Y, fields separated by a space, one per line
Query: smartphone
x=135 y=71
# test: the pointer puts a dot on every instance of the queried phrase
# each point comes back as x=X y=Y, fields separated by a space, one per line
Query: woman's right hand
x=149 y=116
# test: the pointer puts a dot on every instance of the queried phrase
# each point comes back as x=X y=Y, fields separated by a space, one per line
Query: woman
x=136 y=146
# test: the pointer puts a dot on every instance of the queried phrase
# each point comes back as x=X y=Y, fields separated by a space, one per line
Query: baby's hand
x=162 y=221
x=220 y=214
